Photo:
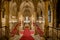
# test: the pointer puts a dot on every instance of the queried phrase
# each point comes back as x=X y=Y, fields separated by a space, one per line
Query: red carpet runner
x=27 y=35
x=27 y=38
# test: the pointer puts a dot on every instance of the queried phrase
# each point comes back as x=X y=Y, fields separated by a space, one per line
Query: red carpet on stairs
x=27 y=35
x=27 y=38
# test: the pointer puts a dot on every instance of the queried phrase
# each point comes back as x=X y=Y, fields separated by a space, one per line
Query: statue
x=27 y=20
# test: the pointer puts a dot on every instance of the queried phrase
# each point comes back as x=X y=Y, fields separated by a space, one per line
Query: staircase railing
x=14 y=31
x=52 y=37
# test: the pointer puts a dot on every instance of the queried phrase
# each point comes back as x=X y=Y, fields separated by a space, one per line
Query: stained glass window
x=49 y=14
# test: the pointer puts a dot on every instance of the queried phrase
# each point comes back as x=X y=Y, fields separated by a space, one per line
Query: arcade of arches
x=29 y=20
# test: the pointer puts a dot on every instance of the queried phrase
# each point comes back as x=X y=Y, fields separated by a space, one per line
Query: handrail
x=54 y=28
x=52 y=36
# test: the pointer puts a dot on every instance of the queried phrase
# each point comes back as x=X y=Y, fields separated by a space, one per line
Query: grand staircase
x=17 y=37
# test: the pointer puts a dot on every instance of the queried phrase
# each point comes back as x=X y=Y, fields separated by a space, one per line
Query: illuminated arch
x=23 y=4
x=40 y=8
x=27 y=7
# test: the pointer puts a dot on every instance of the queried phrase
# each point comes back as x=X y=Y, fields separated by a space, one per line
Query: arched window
x=3 y=10
x=49 y=13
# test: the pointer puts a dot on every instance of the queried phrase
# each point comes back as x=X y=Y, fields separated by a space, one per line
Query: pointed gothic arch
x=26 y=6
x=29 y=3
x=50 y=12
x=27 y=9
x=40 y=8
x=40 y=13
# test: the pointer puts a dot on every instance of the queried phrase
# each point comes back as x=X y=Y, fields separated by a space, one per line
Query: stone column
x=54 y=32
x=46 y=19
x=7 y=19
x=0 y=20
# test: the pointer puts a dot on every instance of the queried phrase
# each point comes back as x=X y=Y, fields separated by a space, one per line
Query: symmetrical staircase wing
x=14 y=31
x=40 y=32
